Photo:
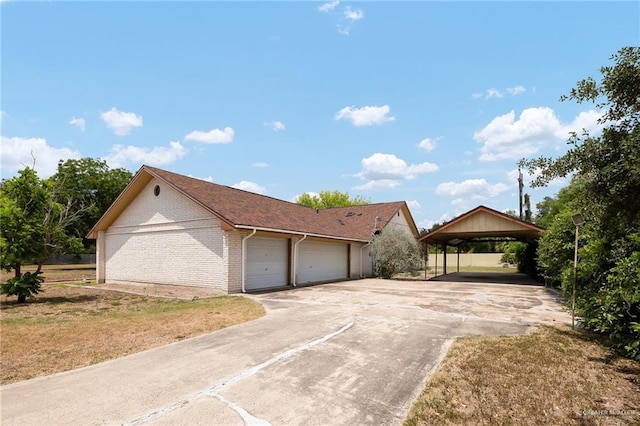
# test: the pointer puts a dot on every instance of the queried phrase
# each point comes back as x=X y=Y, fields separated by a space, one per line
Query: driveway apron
x=355 y=352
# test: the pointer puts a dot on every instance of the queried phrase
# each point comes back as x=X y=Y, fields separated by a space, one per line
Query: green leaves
x=330 y=199
x=605 y=188
x=89 y=186
x=394 y=250
x=26 y=285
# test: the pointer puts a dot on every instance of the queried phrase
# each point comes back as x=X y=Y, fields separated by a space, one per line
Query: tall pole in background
x=578 y=220
x=520 y=188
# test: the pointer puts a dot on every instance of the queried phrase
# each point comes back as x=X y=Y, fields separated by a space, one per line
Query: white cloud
x=507 y=138
x=121 y=122
x=310 y=193
x=516 y=90
x=413 y=205
x=497 y=93
x=349 y=18
x=527 y=178
x=250 y=186
x=325 y=7
x=428 y=223
x=587 y=120
x=377 y=184
x=346 y=18
x=387 y=170
x=78 y=122
x=276 y=126
x=260 y=164
x=478 y=188
x=365 y=116
x=17 y=153
x=353 y=15
x=156 y=156
x=427 y=144
x=493 y=93
x=213 y=136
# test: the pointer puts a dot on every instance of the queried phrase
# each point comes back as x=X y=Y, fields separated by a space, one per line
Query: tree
x=394 y=250
x=22 y=209
x=330 y=199
x=604 y=188
x=88 y=187
x=33 y=228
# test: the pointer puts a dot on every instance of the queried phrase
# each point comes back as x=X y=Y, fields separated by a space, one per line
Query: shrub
x=394 y=251
x=26 y=285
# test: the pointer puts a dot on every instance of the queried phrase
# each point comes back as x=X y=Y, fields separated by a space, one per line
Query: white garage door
x=267 y=263
x=322 y=261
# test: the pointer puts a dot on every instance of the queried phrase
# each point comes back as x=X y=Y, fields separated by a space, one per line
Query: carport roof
x=482 y=222
x=238 y=209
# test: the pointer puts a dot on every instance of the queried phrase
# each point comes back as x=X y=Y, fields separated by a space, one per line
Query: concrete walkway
x=355 y=352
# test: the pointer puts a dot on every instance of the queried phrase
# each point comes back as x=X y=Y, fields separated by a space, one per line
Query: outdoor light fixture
x=578 y=220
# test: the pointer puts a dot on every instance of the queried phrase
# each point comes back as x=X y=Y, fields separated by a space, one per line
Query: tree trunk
x=22 y=298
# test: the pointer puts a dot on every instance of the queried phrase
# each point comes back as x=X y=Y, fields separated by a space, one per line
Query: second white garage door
x=320 y=261
x=267 y=263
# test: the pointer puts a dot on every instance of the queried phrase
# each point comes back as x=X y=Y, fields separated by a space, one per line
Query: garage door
x=267 y=263
x=322 y=261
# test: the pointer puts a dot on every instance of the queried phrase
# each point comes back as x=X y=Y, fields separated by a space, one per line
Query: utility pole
x=520 y=188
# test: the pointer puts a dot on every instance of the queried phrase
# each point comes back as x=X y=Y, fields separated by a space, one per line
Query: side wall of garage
x=163 y=237
x=233 y=256
x=361 y=261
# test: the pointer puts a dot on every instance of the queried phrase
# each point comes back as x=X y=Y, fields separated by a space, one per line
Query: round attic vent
x=156 y=190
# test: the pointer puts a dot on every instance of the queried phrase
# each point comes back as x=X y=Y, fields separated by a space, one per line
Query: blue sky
x=432 y=103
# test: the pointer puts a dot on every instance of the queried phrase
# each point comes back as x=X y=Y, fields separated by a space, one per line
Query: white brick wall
x=367 y=264
x=167 y=239
x=400 y=222
x=234 y=263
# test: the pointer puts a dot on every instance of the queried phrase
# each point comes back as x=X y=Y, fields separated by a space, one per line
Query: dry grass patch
x=69 y=327
x=549 y=377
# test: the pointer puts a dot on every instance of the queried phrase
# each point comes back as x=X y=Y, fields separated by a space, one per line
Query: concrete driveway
x=355 y=352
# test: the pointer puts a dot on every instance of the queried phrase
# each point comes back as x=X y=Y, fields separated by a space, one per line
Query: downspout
x=295 y=258
x=244 y=257
x=361 y=260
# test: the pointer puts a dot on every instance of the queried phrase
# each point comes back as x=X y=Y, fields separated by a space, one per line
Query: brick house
x=166 y=228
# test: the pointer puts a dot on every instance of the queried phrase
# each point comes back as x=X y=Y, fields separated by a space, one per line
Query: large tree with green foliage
x=89 y=187
x=329 y=199
x=33 y=228
x=605 y=188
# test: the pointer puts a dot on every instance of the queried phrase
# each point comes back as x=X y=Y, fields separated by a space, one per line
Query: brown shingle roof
x=243 y=209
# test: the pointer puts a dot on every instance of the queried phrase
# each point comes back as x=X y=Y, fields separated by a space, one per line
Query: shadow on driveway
x=488 y=278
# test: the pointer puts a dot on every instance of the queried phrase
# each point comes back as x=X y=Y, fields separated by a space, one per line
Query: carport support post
x=435 y=272
x=444 y=261
x=458 y=247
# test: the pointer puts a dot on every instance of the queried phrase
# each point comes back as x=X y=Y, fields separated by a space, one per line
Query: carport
x=479 y=224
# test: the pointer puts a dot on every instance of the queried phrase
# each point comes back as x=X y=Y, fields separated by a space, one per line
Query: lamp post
x=578 y=221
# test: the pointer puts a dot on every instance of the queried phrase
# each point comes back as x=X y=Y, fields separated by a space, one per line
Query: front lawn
x=67 y=327
x=549 y=377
